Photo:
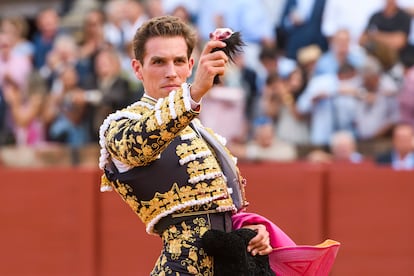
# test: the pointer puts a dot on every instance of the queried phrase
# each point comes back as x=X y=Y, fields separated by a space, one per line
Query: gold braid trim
x=106 y=185
x=175 y=200
x=139 y=142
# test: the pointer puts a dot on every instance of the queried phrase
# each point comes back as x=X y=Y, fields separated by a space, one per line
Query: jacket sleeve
x=136 y=136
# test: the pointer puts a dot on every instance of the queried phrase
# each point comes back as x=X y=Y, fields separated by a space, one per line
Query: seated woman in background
x=26 y=110
x=265 y=146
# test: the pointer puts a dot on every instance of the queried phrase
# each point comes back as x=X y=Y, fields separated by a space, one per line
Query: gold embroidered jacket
x=162 y=165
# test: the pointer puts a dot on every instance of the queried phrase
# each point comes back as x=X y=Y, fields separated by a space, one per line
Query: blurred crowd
x=321 y=80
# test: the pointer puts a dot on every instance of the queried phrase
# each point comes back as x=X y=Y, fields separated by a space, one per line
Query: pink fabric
x=287 y=258
x=278 y=238
x=31 y=135
x=18 y=67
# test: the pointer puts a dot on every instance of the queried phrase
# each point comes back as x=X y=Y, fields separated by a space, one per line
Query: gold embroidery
x=165 y=115
x=151 y=124
x=146 y=150
x=216 y=192
x=184 y=150
x=106 y=185
x=193 y=169
x=176 y=196
x=140 y=142
x=122 y=190
x=211 y=165
x=242 y=180
x=186 y=131
x=131 y=200
x=208 y=166
x=166 y=135
x=138 y=147
x=179 y=99
x=182 y=251
x=184 y=120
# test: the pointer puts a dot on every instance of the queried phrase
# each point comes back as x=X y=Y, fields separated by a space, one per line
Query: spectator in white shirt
x=352 y=15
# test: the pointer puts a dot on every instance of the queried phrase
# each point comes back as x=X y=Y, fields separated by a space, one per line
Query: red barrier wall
x=370 y=210
x=125 y=247
x=289 y=195
x=48 y=222
x=56 y=222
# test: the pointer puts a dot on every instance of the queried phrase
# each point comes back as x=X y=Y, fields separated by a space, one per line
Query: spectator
x=13 y=67
x=65 y=111
x=342 y=147
x=279 y=102
x=191 y=6
x=65 y=52
x=301 y=25
x=6 y=134
x=109 y=91
x=183 y=13
x=401 y=156
x=291 y=126
x=154 y=8
x=274 y=12
x=66 y=6
x=223 y=110
x=408 y=6
x=242 y=76
x=245 y=16
x=135 y=15
x=340 y=52
x=270 y=102
x=351 y=15
x=14 y=72
x=377 y=108
x=387 y=33
x=307 y=58
x=17 y=28
x=345 y=101
x=210 y=16
x=26 y=109
x=113 y=26
x=47 y=23
x=329 y=100
x=92 y=40
x=265 y=146
x=406 y=95
x=268 y=60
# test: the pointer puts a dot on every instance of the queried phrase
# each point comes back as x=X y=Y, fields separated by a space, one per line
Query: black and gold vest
x=167 y=167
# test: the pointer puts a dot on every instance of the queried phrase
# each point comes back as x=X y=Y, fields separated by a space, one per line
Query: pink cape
x=288 y=258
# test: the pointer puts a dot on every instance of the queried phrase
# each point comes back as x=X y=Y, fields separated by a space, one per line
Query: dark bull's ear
x=231 y=258
x=234 y=45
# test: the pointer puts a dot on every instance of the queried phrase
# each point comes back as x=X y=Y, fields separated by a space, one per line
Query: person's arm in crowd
x=51 y=109
x=329 y=23
x=393 y=116
x=394 y=40
x=75 y=113
x=289 y=102
x=22 y=114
